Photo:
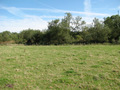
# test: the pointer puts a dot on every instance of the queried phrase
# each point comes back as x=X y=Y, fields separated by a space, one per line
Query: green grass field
x=93 y=67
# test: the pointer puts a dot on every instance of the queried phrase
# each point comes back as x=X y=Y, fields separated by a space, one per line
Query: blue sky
x=16 y=15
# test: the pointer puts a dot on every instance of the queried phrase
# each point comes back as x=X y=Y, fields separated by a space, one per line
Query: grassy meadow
x=70 y=67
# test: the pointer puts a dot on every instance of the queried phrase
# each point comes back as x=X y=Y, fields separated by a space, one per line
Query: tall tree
x=66 y=21
x=6 y=36
x=99 y=31
x=57 y=33
x=113 y=23
x=26 y=36
x=77 y=23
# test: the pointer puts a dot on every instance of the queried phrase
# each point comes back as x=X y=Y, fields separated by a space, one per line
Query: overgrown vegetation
x=86 y=67
x=69 y=30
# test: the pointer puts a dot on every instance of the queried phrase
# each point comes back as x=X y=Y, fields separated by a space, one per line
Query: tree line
x=69 y=30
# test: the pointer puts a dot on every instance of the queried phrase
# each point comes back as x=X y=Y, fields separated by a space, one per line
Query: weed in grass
x=10 y=59
x=95 y=66
x=118 y=76
x=82 y=63
x=88 y=87
x=64 y=80
x=108 y=63
x=82 y=58
x=96 y=78
x=4 y=82
x=101 y=76
x=70 y=73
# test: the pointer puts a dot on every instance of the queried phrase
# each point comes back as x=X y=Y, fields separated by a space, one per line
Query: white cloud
x=89 y=20
x=44 y=16
x=15 y=11
x=19 y=11
x=87 y=9
x=14 y=25
x=87 y=4
x=115 y=9
x=118 y=7
x=64 y=11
